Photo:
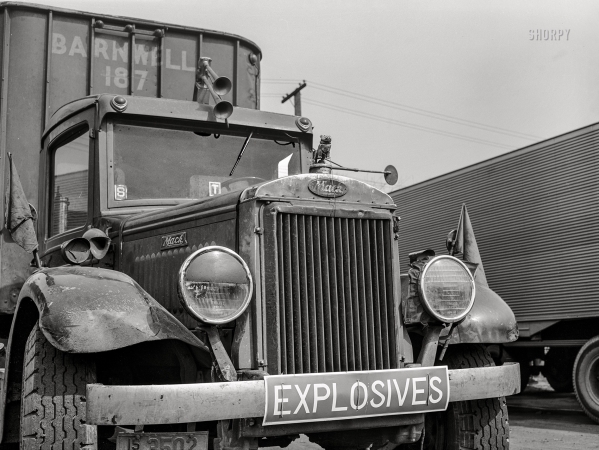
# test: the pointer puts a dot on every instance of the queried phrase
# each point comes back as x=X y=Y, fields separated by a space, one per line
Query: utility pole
x=297 y=98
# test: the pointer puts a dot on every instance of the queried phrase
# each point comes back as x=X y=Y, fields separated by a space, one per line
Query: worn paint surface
x=491 y=320
x=87 y=310
x=297 y=187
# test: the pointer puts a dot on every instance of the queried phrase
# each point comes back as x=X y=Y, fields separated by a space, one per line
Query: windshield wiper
x=243 y=147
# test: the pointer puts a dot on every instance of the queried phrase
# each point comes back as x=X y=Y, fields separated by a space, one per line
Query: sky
x=428 y=86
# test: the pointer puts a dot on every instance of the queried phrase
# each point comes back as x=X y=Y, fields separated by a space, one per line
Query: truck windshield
x=158 y=164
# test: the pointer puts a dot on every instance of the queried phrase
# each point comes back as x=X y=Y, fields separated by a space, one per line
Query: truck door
x=68 y=165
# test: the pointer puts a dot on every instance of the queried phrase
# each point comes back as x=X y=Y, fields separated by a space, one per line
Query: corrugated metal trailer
x=535 y=212
x=52 y=56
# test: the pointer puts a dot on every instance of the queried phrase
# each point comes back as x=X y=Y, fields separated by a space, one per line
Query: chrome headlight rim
x=183 y=295
x=426 y=302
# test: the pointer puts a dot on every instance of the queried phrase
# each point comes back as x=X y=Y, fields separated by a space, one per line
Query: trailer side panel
x=535 y=212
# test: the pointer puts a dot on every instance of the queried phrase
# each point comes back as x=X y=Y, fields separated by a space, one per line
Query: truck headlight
x=215 y=285
x=447 y=288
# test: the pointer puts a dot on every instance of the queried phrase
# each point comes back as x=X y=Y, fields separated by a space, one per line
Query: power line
x=407 y=124
x=400 y=123
x=412 y=109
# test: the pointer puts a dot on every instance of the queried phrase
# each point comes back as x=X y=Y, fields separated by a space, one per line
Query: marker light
x=447 y=288
x=118 y=103
x=303 y=123
x=215 y=285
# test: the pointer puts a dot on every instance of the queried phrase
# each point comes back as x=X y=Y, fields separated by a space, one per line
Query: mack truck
x=180 y=270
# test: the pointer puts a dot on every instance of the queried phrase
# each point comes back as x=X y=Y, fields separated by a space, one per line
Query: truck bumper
x=200 y=402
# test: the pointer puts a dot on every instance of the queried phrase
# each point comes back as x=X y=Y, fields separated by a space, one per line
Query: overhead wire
x=398 y=122
x=411 y=109
x=405 y=124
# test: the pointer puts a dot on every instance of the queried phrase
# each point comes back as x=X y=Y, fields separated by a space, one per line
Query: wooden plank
x=183 y=403
x=174 y=403
x=484 y=382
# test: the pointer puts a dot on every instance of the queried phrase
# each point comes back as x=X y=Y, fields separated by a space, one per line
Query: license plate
x=197 y=440
x=353 y=395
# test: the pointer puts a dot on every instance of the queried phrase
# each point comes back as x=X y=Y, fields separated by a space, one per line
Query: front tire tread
x=53 y=398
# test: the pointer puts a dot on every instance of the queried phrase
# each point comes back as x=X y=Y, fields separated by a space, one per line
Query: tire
x=585 y=376
x=53 y=398
x=471 y=424
x=559 y=362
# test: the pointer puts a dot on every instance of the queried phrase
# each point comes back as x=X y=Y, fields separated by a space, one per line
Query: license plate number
x=197 y=440
x=353 y=395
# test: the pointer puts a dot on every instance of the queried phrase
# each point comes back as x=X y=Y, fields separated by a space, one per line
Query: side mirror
x=390 y=175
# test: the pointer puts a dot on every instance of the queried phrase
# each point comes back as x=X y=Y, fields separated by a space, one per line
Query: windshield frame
x=302 y=140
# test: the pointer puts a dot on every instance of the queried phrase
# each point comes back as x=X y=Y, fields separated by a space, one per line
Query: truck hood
x=303 y=186
x=167 y=217
x=319 y=187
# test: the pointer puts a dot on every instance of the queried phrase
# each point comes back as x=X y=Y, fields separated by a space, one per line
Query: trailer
x=535 y=211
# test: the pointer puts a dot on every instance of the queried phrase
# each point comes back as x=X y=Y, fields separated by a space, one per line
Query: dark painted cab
x=229 y=239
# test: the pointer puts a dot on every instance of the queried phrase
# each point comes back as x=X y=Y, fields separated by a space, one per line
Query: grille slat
x=326 y=294
x=362 y=293
x=282 y=313
x=295 y=297
x=288 y=280
x=355 y=295
x=311 y=295
x=334 y=299
x=376 y=301
x=382 y=285
x=370 y=320
x=335 y=295
x=322 y=337
x=303 y=275
x=349 y=315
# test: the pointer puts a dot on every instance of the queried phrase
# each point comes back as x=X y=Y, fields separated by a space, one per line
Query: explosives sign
x=353 y=395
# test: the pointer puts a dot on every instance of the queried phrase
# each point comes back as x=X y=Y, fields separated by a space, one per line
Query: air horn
x=207 y=78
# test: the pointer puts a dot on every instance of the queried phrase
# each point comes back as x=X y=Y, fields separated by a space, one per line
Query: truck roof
x=131 y=19
x=176 y=109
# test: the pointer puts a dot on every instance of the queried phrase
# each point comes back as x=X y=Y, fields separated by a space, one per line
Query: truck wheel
x=53 y=397
x=586 y=378
x=558 y=366
x=471 y=424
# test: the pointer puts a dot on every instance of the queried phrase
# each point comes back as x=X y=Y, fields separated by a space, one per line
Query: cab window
x=69 y=174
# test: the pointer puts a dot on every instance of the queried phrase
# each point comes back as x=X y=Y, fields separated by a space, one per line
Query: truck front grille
x=329 y=294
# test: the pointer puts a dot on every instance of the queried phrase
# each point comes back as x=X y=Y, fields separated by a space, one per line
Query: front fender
x=88 y=310
x=490 y=321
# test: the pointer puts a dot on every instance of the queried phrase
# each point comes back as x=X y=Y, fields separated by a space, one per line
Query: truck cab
x=257 y=261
